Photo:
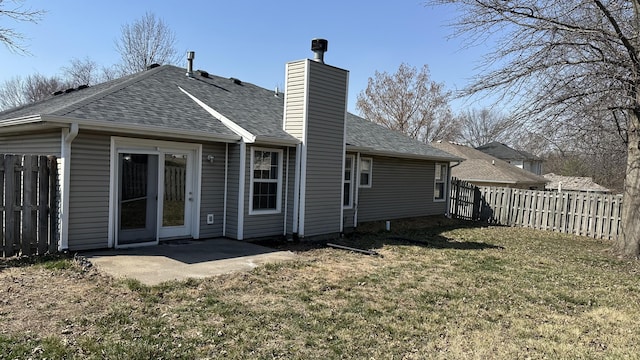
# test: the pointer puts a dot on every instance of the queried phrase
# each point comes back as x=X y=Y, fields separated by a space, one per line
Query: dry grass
x=436 y=292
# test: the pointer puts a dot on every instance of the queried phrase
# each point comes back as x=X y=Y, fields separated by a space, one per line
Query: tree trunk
x=628 y=245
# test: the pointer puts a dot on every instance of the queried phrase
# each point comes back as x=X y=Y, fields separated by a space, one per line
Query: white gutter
x=395 y=154
x=246 y=135
x=68 y=135
x=101 y=125
x=241 y=176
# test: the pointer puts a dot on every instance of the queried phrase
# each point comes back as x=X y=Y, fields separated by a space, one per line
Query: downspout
x=226 y=187
x=241 y=183
x=296 y=190
x=303 y=190
x=68 y=135
x=356 y=197
x=286 y=194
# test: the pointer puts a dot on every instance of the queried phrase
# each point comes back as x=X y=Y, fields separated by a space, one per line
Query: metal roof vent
x=190 y=56
x=319 y=47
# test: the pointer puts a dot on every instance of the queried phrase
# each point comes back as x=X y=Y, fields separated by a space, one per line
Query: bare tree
x=19 y=91
x=408 y=101
x=11 y=93
x=567 y=62
x=146 y=41
x=479 y=127
x=11 y=38
x=87 y=72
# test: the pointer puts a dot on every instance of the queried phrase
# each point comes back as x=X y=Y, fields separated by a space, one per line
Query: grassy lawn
x=474 y=293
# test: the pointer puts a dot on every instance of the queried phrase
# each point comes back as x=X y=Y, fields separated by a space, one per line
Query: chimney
x=319 y=47
x=190 y=56
x=315 y=108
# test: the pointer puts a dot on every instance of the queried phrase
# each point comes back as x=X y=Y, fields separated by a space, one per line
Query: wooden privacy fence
x=588 y=214
x=28 y=205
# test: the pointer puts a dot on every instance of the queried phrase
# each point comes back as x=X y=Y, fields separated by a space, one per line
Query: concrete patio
x=181 y=260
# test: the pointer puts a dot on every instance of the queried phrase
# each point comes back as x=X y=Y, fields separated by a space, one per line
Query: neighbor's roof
x=573 y=183
x=481 y=167
x=162 y=100
x=504 y=152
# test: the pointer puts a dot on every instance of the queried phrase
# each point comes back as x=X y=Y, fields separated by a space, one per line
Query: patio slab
x=181 y=260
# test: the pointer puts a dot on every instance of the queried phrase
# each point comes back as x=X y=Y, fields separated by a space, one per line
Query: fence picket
x=10 y=235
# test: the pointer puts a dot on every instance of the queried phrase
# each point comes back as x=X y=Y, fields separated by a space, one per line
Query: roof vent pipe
x=319 y=47
x=190 y=56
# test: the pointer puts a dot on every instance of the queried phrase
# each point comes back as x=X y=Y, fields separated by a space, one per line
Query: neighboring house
x=482 y=169
x=162 y=155
x=518 y=158
x=573 y=183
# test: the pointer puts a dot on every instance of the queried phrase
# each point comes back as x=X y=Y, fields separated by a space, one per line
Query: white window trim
x=370 y=160
x=444 y=181
x=351 y=181
x=278 y=208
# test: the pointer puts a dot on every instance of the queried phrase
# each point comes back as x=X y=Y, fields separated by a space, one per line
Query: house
x=175 y=153
x=518 y=158
x=561 y=183
x=482 y=169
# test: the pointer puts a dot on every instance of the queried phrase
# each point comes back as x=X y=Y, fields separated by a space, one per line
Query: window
x=266 y=180
x=440 y=190
x=348 y=180
x=365 y=172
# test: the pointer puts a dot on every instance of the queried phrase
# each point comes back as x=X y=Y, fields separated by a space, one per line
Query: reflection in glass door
x=137 y=198
x=177 y=194
x=174 y=200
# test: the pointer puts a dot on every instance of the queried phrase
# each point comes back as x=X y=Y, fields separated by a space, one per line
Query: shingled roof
x=162 y=100
x=483 y=168
x=573 y=183
x=505 y=152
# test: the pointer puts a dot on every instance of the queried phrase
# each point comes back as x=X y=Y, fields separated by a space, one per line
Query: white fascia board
x=246 y=135
x=21 y=120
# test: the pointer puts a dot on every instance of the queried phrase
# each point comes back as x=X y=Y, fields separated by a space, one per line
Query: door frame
x=155 y=147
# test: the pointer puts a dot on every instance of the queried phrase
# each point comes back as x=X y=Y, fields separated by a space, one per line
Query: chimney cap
x=319 y=47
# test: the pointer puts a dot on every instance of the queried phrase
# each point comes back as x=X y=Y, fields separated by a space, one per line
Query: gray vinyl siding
x=295 y=96
x=89 y=192
x=400 y=188
x=326 y=109
x=212 y=190
x=47 y=143
x=262 y=225
x=232 y=191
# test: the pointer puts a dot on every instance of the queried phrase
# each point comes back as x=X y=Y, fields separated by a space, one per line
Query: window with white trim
x=347 y=199
x=266 y=181
x=365 y=169
x=440 y=190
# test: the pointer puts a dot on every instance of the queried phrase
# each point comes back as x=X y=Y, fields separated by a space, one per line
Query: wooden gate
x=28 y=205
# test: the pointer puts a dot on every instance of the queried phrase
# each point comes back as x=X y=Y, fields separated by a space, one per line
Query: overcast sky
x=252 y=40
